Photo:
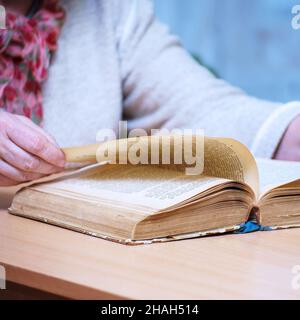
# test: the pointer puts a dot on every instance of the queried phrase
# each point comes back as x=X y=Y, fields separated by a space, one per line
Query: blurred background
x=249 y=43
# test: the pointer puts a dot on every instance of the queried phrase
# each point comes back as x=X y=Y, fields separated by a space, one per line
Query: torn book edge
x=131 y=242
x=236 y=229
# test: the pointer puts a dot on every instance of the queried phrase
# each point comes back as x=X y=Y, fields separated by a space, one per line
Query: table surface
x=74 y=265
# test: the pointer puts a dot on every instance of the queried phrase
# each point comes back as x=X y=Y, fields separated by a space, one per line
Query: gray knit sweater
x=115 y=60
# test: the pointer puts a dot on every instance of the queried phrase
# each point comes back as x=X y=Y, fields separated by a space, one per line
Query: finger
x=15 y=174
x=5 y=182
x=36 y=144
x=24 y=161
x=33 y=126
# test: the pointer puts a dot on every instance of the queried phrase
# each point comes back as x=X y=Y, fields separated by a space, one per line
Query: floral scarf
x=26 y=47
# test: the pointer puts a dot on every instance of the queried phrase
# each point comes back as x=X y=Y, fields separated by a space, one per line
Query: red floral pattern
x=26 y=47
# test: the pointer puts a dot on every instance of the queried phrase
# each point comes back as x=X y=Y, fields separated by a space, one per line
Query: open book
x=135 y=204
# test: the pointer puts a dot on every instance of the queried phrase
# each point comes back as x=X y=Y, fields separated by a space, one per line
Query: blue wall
x=248 y=42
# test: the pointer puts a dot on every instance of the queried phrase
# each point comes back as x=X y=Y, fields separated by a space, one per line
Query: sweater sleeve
x=165 y=88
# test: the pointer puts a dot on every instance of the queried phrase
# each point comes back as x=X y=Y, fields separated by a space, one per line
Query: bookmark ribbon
x=251 y=226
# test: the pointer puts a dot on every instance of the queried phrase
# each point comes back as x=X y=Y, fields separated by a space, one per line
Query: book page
x=158 y=186
x=274 y=173
x=7 y=193
x=228 y=158
x=142 y=185
x=222 y=157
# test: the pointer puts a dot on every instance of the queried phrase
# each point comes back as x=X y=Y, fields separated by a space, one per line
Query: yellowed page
x=7 y=193
x=228 y=158
x=145 y=186
x=225 y=159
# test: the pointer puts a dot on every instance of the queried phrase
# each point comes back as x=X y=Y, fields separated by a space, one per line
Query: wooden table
x=73 y=265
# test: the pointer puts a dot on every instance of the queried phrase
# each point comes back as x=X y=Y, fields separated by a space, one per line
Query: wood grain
x=73 y=265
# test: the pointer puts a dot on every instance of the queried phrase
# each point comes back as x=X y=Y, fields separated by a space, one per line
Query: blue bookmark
x=251 y=226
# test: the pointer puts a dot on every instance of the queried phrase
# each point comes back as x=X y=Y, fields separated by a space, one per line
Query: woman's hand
x=289 y=147
x=26 y=151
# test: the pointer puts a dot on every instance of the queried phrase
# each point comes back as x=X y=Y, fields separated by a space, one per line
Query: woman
x=72 y=67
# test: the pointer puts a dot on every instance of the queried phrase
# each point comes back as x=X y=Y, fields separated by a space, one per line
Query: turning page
x=230 y=159
x=224 y=159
